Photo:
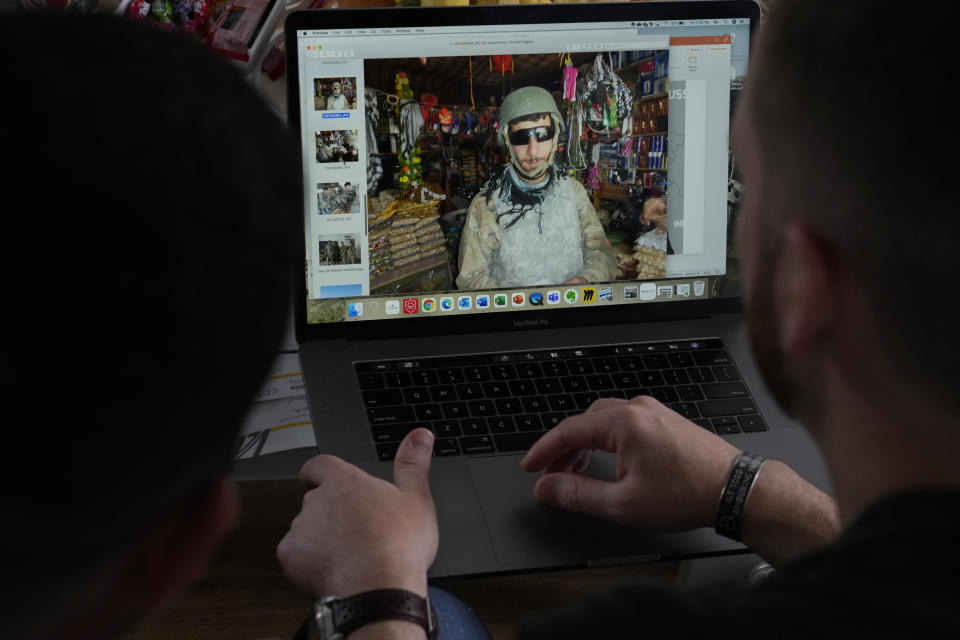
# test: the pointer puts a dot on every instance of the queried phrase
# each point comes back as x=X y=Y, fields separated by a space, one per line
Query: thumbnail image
x=338 y=250
x=337 y=198
x=339 y=145
x=334 y=94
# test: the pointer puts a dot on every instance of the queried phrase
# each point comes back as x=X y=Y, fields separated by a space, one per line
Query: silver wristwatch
x=335 y=618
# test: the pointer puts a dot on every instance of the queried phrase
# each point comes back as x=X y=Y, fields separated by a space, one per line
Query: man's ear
x=178 y=548
x=808 y=288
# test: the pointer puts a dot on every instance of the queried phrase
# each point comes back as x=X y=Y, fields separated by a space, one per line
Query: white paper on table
x=283 y=380
x=265 y=423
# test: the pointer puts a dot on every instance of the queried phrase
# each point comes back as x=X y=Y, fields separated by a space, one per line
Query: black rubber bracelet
x=736 y=492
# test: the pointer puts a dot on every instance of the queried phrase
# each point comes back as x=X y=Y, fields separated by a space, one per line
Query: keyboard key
x=605 y=365
x=398 y=379
x=574 y=384
x=428 y=411
x=631 y=363
x=738 y=406
x=443 y=393
x=385 y=415
x=726 y=426
x=416 y=395
x=712 y=357
x=752 y=423
x=424 y=377
x=470 y=391
x=476 y=373
x=704 y=423
x=561 y=402
x=473 y=426
x=482 y=408
x=690 y=393
x=394 y=432
x=454 y=409
x=665 y=395
x=496 y=389
x=675 y=376
x=450 y=375
x=534 y=404
x=387 y=451
x=523 y=387
x=555 y=368
x=686 y=409
x=446 y=428
x=446 y=447
x=721 y=390
x=625 y=380
x=651 y=379
x=550 y=420
x=529 y=370
x=508 y=406
x=584 y=400
x=501 y=424
x=656 y=361
x=547 y=386
x=382 y=397
x=580 y=366
x=600 y=382
x=701 y=375
x=476 y=444
x=516 y=441
x=529 y=422
x=371 y=381
x=503 y=372
x=726 y=372
x=682 y=359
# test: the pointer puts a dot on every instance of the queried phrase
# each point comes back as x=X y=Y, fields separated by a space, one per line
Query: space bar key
x=516 y=441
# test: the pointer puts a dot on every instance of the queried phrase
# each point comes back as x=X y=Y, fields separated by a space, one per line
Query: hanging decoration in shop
x=501 y=63
x=446 y=119
x=374 y=165
x=608 y=97
x=404 y=92
x=411 y=169
x=569 y=80
x=427 y=102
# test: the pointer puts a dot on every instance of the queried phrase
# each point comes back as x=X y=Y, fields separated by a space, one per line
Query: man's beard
x=762 y=323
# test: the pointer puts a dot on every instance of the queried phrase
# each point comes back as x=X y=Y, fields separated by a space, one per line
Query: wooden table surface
x=246 y=597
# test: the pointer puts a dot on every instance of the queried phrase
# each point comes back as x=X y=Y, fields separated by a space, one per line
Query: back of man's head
x=150 y=207
x=857 y=137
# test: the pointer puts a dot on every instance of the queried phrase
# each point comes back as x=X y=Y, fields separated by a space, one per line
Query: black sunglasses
x=521 y=137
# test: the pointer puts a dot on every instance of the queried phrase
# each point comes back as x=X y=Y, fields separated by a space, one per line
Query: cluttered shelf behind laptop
x=246 y=597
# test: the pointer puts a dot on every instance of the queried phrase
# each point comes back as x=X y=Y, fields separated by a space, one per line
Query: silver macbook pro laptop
x=398 y=115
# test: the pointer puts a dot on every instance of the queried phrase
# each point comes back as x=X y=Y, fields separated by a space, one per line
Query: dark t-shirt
x=895 y=572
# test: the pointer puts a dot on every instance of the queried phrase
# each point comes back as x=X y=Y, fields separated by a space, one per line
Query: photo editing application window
x=504 y=168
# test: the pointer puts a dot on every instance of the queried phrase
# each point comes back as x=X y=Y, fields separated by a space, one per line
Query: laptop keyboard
x=503 y=402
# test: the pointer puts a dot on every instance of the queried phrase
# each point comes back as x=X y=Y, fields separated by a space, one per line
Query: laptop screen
x=464 y=167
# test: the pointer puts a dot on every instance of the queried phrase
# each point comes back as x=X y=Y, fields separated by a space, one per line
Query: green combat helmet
x=526 y=101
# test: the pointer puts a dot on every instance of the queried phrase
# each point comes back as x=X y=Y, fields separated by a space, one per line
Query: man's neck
x=883 y=438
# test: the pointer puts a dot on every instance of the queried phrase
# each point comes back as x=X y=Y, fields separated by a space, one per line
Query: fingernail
x=422 y=439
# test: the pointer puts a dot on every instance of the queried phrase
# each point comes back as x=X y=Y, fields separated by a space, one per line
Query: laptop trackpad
x=524 y=531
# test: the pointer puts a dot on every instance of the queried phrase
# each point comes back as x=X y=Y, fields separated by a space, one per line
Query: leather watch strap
x=365 y=608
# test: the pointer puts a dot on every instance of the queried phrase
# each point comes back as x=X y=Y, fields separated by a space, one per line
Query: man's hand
x=355 y=532
x=576 y=280
x=669 y=471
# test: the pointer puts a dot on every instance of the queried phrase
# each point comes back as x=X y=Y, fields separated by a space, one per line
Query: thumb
x=576 y=492
x=411 y=466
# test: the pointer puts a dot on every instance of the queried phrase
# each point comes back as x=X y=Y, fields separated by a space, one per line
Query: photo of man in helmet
x=337 y=101
x=531 y=224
